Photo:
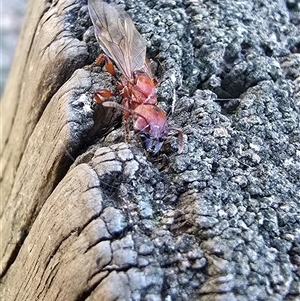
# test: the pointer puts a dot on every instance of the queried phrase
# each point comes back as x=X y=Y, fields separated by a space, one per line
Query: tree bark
x=83 y=218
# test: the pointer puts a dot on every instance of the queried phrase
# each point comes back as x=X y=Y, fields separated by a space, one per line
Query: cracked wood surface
x=83 y=218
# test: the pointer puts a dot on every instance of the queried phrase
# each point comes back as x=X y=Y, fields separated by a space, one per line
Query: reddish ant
x=122 y=43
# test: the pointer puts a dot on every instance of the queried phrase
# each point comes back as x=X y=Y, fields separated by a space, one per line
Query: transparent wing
x=118 y=37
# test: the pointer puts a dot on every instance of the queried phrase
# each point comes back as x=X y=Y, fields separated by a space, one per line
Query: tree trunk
x=85 y=216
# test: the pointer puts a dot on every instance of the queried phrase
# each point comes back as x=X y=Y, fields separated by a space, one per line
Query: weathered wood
x=36 y=136
x=76 y=240
x=44 y=59
x=32 y=151
x=83 y=219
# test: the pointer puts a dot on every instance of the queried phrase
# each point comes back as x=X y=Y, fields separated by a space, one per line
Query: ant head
x=151 y=123
x=151 y=143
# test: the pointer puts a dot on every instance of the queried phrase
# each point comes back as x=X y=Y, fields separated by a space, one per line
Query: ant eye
x=144 y=136
x=146 y=140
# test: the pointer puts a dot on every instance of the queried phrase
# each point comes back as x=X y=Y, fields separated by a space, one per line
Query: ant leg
x=108 y=64
x=126 y=115
x=102 y=93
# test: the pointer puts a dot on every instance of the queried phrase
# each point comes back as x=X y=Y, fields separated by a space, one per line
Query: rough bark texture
x=87 y=219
